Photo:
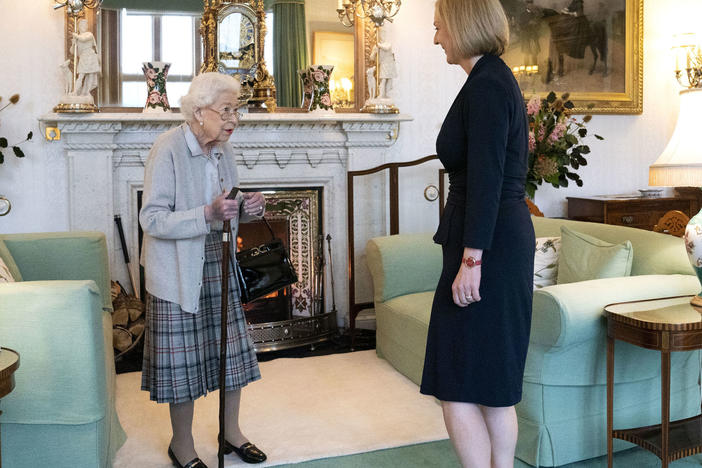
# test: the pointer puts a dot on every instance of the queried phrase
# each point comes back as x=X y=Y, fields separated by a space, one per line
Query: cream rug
x=301 y=409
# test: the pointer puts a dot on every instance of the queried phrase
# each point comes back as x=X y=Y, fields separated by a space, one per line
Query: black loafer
x=247 y=452
x=194 y=463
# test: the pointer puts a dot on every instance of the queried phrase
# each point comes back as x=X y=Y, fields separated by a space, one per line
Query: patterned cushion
x=5 y=275
x=8 y=263
x=546 y=261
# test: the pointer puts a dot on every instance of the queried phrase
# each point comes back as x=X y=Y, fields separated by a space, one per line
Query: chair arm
x=74 y=255
x=566 y=314
x=57 y=327
x=403 y=264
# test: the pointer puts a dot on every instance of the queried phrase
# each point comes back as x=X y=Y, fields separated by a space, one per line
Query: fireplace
x=295 y=315
x=105 y=155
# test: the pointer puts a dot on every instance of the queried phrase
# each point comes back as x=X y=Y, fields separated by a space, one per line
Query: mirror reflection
x=236 y=44
x=157 y=31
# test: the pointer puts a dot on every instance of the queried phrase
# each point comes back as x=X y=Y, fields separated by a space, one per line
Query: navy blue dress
x=476 y=354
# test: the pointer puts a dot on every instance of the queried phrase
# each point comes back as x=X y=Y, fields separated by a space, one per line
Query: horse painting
x=571 y=33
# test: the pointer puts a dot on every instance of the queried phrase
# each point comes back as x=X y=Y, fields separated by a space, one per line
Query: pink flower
x=150 y=83
x=164 y=100
x=325 y=99
x=319 y=75
x=151 y=73
x=533 y=105
x=542 y=133
x=154 y=97
x=558 y=132
x=532 y=142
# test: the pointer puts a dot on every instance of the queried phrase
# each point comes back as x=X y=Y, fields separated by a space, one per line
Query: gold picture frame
x=543 y=32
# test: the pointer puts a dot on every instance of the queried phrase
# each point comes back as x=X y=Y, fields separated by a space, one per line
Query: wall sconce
x=688 y=60
x=377 y=10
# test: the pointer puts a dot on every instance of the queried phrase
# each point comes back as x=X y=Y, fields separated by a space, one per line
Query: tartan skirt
x=181 y=350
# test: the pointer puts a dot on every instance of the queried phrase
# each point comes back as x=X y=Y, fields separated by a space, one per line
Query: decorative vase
x=321 y=97
x=693 y=244
x=307 y=87
x=156 y=98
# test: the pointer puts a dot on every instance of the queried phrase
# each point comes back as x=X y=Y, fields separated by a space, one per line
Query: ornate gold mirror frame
x=215 y=12
x=364 y=38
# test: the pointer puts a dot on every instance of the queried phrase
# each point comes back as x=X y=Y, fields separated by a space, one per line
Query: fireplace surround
x=105 y=156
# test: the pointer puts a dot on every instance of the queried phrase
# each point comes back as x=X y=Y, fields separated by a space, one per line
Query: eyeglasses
x=228 y=114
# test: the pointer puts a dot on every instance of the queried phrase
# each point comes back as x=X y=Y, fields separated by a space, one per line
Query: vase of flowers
x=321 y=96
x=556 y=146
x=156 y=98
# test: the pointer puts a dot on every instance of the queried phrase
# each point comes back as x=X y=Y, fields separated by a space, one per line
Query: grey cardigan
x=173 y=217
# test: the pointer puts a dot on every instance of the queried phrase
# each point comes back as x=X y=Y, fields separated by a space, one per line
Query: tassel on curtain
x=289 y=49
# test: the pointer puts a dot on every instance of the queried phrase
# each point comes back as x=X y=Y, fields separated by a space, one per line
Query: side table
x=9 y=362
x=666 y=325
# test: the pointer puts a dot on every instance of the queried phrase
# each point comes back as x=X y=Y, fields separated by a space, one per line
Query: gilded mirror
x=234 y=32
x=109 y=26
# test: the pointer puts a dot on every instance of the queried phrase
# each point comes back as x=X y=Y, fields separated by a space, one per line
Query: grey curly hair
x=204 y=91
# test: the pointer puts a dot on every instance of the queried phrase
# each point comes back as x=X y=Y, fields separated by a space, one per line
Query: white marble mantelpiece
x=106 y=154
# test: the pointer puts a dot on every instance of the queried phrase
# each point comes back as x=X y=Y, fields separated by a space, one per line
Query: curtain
x=289 y=50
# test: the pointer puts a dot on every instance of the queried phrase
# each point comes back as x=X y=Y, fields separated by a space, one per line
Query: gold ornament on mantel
x=257 y=90
x=86 y=65
x=383 y=71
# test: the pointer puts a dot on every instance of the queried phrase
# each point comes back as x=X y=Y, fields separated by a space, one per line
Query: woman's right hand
x=222 y=209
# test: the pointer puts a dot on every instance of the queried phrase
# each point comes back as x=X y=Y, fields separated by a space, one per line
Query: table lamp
x=681 y=161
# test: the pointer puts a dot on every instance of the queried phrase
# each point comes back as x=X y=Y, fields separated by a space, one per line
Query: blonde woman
x=481 y=315
x=189 y=172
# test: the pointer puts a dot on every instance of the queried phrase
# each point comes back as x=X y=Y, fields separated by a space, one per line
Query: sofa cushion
x=546 y=261
x=401 y=332
x=403 y=264
x=655 y=253
x=74 y=255
x=585 y=257
x=8 y=261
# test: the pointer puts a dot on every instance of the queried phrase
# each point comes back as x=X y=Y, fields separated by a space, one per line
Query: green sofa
x=62 y=410
x=562 y=416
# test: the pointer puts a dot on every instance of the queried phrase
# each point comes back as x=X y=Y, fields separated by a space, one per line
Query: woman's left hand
x=254 y=203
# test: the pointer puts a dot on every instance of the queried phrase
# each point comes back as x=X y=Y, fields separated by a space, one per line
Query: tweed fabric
x=181 y=350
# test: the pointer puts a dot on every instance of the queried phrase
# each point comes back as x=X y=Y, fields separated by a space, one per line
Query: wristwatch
x=470 y=262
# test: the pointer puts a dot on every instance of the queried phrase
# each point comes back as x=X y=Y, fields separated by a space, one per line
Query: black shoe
x=194 y=463
x=247 y=452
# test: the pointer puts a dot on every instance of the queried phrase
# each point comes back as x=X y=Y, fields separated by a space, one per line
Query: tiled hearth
x=106 y=153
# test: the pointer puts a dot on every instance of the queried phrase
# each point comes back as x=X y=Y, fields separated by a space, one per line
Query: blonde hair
x=204 y=91
x=476 y=27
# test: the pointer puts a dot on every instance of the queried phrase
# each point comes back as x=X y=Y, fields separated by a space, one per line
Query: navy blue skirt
x=476 y=354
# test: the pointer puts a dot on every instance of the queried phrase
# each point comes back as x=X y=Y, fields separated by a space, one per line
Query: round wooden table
x=666 y=325
x=9 y=362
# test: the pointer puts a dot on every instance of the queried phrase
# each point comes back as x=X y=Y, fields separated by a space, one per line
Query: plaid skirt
x=181 y=350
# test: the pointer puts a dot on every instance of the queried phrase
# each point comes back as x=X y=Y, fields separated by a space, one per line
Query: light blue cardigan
x=173 y=217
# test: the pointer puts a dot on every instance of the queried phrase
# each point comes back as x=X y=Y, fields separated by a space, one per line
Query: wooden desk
x=665 y=325
x=636 y=212
x=9 y=362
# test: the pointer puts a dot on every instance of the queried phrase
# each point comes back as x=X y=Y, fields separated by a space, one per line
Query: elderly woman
x=189 y=172
x=481 y=315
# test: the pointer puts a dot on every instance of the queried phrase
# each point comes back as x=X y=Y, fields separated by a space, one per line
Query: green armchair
x=62 y=410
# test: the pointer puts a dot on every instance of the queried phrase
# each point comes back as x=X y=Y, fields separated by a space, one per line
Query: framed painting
x=592 y=49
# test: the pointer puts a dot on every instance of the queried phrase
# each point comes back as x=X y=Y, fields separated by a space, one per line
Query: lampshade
x=680 y=165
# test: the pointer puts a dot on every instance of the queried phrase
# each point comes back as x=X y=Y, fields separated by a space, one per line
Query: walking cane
x=226 y=233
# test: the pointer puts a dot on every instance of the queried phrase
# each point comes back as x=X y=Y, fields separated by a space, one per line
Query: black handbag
x=264 y=269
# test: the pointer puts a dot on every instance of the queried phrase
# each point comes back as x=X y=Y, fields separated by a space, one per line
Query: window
x=158 y=37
